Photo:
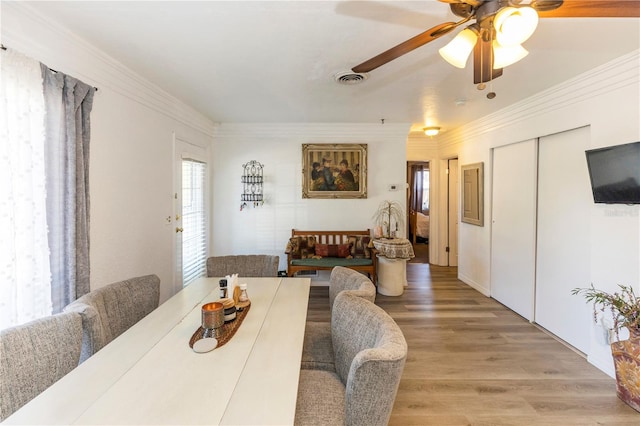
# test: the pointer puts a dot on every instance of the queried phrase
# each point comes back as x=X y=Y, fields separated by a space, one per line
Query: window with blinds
x=194 y=241
x=425 y=190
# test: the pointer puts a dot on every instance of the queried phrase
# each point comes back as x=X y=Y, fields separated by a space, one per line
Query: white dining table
x=150 y=375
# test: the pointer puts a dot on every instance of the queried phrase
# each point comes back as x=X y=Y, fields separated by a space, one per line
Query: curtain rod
x=3 y=47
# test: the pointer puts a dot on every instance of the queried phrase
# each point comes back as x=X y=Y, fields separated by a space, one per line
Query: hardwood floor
x=472 y=361
x=421 y=251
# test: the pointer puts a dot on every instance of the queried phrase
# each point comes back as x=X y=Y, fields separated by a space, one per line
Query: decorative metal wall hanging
x=252 y=185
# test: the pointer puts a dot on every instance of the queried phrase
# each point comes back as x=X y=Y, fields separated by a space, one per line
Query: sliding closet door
x=564 y=203
x=513 y=226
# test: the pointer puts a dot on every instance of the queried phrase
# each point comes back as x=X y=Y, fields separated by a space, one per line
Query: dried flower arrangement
x=388 y=211
x=623 y=305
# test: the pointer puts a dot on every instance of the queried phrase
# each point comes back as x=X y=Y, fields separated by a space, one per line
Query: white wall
x=131 y=163
x=607 y=99
x=266 y=229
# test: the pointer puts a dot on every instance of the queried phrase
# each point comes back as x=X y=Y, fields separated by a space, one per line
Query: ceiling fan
x=495 y=22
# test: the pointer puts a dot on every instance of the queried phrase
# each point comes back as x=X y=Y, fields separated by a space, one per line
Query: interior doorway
x=452 y=208
x=418 y=203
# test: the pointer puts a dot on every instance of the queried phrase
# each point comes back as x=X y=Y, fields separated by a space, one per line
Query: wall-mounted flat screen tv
x=615 y=173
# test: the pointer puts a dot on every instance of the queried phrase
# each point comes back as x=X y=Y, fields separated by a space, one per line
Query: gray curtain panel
x=68 y=103
x=415 y=202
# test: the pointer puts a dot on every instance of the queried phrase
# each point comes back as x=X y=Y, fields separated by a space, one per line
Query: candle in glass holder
x=212 y=315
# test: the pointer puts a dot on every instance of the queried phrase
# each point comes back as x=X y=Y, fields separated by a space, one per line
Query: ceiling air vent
x=350 y=77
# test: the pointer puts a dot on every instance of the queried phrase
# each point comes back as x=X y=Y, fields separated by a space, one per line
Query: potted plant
x=388 y=211
x=624 y=307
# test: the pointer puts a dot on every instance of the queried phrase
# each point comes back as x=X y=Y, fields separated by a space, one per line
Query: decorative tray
x=228 y=329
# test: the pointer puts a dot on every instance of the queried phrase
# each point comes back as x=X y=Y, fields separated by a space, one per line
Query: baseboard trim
x=471 y=283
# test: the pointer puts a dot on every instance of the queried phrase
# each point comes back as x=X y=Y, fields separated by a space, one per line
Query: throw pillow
x=307 y=246
x=302 y=247
x=333 y=250
x=293 y=247
x=344 y=250
x=359 y=245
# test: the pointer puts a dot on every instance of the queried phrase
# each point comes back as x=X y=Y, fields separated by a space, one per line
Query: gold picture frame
x=472 y=197
x=334 y=170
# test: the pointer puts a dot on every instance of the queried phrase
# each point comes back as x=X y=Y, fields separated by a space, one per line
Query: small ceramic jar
x=229 y=309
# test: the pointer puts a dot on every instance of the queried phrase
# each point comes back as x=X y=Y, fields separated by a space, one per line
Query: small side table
x=393 y=254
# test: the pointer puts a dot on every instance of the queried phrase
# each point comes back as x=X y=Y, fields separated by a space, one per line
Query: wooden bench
x=366 y=265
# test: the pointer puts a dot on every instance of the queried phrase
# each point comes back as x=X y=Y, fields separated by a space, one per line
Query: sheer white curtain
x=25 y=282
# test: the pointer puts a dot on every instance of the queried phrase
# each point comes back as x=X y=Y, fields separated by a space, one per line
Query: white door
x=453 y=212
x=563 y=256
x=513 y=226
x=191 y=211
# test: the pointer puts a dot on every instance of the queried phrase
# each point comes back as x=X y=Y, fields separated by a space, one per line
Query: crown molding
x=614 y=75
x=320 y=132
x=24 y=29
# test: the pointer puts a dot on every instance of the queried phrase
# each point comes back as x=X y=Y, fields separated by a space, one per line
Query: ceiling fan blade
x=405 y=47
x=594 y=9
x=483 y=62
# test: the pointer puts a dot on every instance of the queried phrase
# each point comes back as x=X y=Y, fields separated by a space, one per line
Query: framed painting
x=334 y=170
x=473 y=193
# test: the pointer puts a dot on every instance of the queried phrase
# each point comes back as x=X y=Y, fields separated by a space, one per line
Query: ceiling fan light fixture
x=505 y=56
x=514 y=25
x=431 y=131
x=457 y=51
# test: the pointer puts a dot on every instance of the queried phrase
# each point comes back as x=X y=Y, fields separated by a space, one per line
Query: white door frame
x=453 y=211
x=183 y=149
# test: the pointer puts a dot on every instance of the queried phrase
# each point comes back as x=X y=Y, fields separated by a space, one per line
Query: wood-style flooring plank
x=472 y=361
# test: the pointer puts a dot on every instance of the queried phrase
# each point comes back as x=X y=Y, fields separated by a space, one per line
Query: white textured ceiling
x=275 y=61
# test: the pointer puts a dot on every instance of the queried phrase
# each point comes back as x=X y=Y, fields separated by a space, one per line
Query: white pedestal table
x=393 y=254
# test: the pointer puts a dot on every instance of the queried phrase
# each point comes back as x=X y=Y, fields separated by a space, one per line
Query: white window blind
x=194 y=241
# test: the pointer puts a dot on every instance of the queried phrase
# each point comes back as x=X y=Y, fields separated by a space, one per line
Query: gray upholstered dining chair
x=35 y=355
x=317 y=351
x=109 y=311
x=245 y=265
x=345 y=279
x=370 y=352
